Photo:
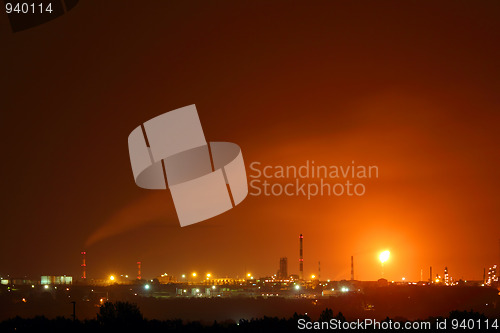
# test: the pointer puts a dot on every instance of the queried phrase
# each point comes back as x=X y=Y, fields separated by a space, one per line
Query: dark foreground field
x=408 y=302
x=126 y=317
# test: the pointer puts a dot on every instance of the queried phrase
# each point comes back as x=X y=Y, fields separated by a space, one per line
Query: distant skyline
x=410 y=88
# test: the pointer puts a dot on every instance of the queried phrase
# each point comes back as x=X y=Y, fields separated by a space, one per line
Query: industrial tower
x=301 y=259
x=84 y=266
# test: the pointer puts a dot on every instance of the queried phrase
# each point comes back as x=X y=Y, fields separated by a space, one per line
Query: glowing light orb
x=384 y=256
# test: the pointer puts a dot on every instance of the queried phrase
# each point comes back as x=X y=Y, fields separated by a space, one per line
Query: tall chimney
x=430 y=276
x=84 y=266
x=352 y=268
x=301 y=259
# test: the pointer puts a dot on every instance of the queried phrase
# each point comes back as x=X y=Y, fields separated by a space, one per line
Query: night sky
x=412 y=87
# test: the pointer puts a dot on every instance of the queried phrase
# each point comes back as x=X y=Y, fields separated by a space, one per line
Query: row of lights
x=383 y=257
x=194 y=274
x=249 y=276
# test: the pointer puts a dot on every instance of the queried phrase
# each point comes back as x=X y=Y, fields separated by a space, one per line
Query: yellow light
x=437 y=280
x=194 y=274
x=384 y=256
x=112 y=278
x=208 y=275
x=313 y=276
x=249 y=274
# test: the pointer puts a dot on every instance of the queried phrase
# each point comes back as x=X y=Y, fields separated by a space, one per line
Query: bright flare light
x=384 y=256
x=194 y=274
x=112 y=278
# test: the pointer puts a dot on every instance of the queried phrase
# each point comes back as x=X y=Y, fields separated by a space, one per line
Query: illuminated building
x=283 y=271
x=165 y=278
x=492 y=276
x=446 y=277
x=56 y=279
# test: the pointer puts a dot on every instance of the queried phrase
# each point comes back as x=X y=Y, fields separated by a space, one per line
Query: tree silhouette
x=340 y=317
x=119 y=314
x=460 y=315
x=326 y=315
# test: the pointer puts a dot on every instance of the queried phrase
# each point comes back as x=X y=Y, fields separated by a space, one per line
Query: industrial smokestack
x=430 y=276
x=352 y=268
x=301 y=259
x=138 y=270
x=84 y=266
